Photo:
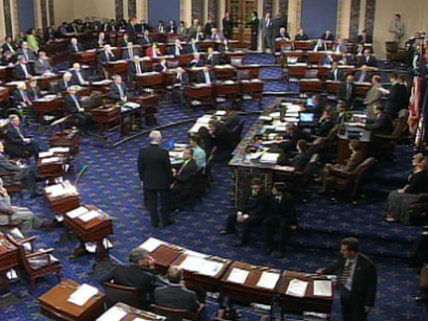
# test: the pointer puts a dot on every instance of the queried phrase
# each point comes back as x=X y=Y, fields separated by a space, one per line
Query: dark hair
x=302 y=144
x=196 y=139
x=256 y=181
x=351 y=243
x=393 y=75
x=377 y=78
x=175 y=274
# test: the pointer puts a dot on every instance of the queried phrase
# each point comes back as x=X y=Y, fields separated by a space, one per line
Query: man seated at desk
x=75 y=46
x=146 y=38
x=8 y=59
x=283 y=35
x=382 y=124
x=215 y=35
x=175 y=295
x=363 y=75
x=364 y=38
x=340 y=47
x=301 y=36
x=327 y=36
x=196 y=61
x=335 y=73
x=16 y=144
x=42 y=65
x=118 y=91
x=130 y=51
x=64 y=83
x=74 y=106
x=181 y=188
x=212 y=58
x=138 y=274
x=325 y=124
x=22 y=69
x=206 y=76
x=282 y=218
x=136 y=68
x=26 y=52
x=194 y=47
x=107 y=55
x=24 y=174
x=33 y=91
x=21 y=98
x=252 y=214
x=220 y=139
x=78 y=76
x=292 y=135
x=9 y=45
x=177 y=50
x=367 y=58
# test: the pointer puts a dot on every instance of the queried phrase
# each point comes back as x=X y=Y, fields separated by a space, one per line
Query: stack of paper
x=192 y=263
x=77 y=212
x=268 y=280
x=238 y=276
x=151 y=244
x=83 y=294
x=59 y=149
x=50 y=160
x=46 y=154
x=112 y=314
x=270 y=158
x=210 y=268
x=297 y=288
x=89 y=216
x=323 y=288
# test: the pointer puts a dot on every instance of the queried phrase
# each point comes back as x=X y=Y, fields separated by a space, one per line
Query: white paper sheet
x=323 y=288
x=268 y=280
x=83 y=294
x=77 y=212
x=151 y=244
x=238 y=276
x=210 y=268
x=112 y=314
x=89 y=216
x=192 y=263
x=270 y=158
x=297 y=288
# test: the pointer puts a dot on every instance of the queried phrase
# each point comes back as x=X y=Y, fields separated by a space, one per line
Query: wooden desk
x=64 y=203
x=119 y=67
x=53 y=169
x=199 y=282
x=311 y=85
x=164 y=256
x=133 y=313
x=50 y=106
x=248 y=292
x=309 y=302
x=44 y=82
x=153 y=80
x=225 y=73
x=252 y=70
x=88 y=57
x=68 y=138
x=297 y=71
x=205 y=94
x=54 y=304
x=4 y=94
x=96 y=230
x=304 y=44
x=106 y=117
x=9 y=259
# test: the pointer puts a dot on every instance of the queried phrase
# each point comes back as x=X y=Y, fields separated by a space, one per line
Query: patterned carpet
x=112 y=184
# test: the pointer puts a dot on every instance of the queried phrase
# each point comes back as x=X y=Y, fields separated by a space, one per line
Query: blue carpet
x=112 y=184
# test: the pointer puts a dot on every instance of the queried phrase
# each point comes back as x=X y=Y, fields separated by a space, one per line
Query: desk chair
x=419 y=211
x=119 y=293
x=12 y=185
x=177 y=314
x=36 y=263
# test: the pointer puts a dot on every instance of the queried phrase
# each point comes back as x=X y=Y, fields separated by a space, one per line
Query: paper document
x=297 y=288
x=112 y=314
x=59 y=149
x=151 y=244
x=46 y=154
x=83 y=294
x=238 y=276
x=50 y=160
x=77 y=212
x=210 y=268
x=268 y=280
x=323 y=288
x=270 y=158
x=192 y=263
x=89 y=216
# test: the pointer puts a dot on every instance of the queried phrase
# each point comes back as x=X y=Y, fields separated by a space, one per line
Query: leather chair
x=350 y=181
x=419 y=210
x=177 y=314
x=119 y=293
x=36 y=263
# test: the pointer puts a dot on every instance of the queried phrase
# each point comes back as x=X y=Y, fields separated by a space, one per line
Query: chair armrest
x=30 y=239
x=39 y=253
x=340 y=173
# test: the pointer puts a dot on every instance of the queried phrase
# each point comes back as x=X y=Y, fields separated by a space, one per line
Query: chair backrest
x=174 y=314
x=361 y=169
x=310 y=167
x=119 y=293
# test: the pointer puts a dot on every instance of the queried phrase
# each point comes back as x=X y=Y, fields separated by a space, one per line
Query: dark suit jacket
x=335 y=75
x=5 y=47
x=70 y=104
x=176 y=297
x=62 y=86
x=201 y=77
x=330 y=37
x=342 y=94
x=34 y=93
x=185 y=174
x=362 y=60
x=19 y=73
x=382 y=125
x=6 y=166
x=398 y=99
x=75 y=79
x=126 y=55
x=13 y=137
x=285 y=209
x=17 y=96
x=299 y=37
x=30 y=53
x=73 y=50
x=114 y=92
x=213 y=60
x=368 y=39
x=40 y=67
x=364 y=281
x=133 y=68
x=154 y=168
x=103 y=58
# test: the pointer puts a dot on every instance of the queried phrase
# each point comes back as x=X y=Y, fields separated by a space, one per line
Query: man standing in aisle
x=155 y=172
x=357 y=280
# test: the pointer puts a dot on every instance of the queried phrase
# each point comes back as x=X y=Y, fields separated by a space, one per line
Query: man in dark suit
x=367 y=59
x=9 y=45
x=213 y=58
x=335 y=73
x=364 y=37
x=357 y=278
x=130 y=51
x=268 y=36
x=42 y=64
x=26 y=175
x=75 y=46
x=282 y=218
x=171 y=27
x=146 y=40
x=327 y=36
x=106 y=55
x=347 y=91
x=398 y=98
x=20 y=96
x=155 y=172
x=183 y=180
x=301 y=36
x=22 y=70
x=131 y=29
x=28 y=54
x=74 y=106
x=206 y=76
x=138 y=274
x=118 y=91
x=64 y=83
x=175 y=295
x=33 y=91
x=252 y=214
x=16 y=143
x=382 y=125
x=136 y=67
x=227 y=26
x=78 y=76
x=363 y=75
x=209 y=25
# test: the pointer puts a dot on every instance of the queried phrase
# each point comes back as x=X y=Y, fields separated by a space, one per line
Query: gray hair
x=155 y=137
x=137 y=254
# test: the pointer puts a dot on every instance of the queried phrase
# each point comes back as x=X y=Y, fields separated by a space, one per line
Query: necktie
x=108 y=57
x=25 y=98
x=76 y=102
x=138 y=68
x=348 y=91
x=177 y=51
x=207 y=78
x=362 y=77
x=19 y=133
x=335 y=74
x=26 y=55
x=76 y=48
x=120 y=92
x=36 y=96
x=79 y=76
x=346 y=273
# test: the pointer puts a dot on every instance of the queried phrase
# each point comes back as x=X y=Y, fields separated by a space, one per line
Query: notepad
x=297 y=288
x=151 y=244
x=113 y=314
x=89 y=216
x=77 y=212
x=192 y=263
x=46 y=154
x=59 y=149
x=83 y=294
x=50 y=160
x=270 y=158
x=238 y=276
x=322 y=288
x=268 y=280
x=210 y=268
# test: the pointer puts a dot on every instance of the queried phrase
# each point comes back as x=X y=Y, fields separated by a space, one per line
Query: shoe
x=225 y=232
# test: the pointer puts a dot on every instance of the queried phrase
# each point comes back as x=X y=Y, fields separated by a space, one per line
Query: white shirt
x=348 y=282
x=207 y=77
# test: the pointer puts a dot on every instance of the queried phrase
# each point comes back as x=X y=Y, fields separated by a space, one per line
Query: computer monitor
x=306 y=118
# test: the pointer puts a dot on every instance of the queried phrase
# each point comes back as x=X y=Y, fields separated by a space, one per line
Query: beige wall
x=414 y=14
x=94 y=8
x=63 y=10
x=2 y=26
